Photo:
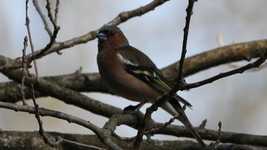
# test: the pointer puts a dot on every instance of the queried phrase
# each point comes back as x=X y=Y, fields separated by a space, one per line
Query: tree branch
x=218 y=56
x=94 y=106
x=31 y=140
x=255 y=64
x=66 y=95
x=122 y=17
x=91 y=82
x=189 y=12
x=101 y=134
x=42 y=16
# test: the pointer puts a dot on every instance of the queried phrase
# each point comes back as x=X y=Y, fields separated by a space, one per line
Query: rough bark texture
x=15 y=140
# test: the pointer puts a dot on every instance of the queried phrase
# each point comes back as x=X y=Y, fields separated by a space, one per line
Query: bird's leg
x=133 y=107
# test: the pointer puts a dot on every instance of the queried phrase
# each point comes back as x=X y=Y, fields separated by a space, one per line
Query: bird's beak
x=101 y=36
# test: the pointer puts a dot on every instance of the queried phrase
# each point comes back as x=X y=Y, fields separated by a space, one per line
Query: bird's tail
x=173 y=107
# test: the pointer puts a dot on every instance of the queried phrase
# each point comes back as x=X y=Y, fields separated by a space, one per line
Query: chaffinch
x=131 y=74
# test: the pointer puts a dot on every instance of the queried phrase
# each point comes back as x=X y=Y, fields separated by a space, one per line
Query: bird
x=131 y=74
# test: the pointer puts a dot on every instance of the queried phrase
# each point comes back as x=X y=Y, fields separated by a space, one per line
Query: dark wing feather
x=137 y=57
x=139 y=65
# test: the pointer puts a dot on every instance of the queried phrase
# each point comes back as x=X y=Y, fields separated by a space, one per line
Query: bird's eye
x=101 y=35
x=104 y=34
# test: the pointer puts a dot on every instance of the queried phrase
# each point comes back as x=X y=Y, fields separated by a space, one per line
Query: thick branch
x=218 y=56
x=108 y=111
x=10 y=91
x=226 y=137
x=31 y=140
x=66 y=95
x=91 y=82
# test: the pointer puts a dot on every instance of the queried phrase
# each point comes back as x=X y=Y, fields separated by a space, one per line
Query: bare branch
x=56 y=28
x=224 y=74
x=49 y=13
x=38 y=118
x=189 y=13
x=97 y=107
x=53 y=113
x=26 y=73
x=31 y=140
x=122 y=17
x=42 y=16
x=27 y=23
x=24 y=68
x=56 y=11
x=147 y=119
x=67 y=95
x=60 y=115
x=92 y=82
x=218 y=56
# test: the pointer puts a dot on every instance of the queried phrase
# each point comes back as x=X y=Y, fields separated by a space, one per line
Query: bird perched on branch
x=131 y=74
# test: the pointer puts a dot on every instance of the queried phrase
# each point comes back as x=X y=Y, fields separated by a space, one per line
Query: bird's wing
x=136 y=57
x=139 y=65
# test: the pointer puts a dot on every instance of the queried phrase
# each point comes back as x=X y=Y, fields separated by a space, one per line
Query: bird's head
x=109 y=35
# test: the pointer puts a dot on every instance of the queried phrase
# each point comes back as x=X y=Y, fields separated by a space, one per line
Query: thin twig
x=38 y=118
x=224 y=74
x=36 y=107
x=27 y=20
x=49 y=13
x=51 y=42
x=67 y=117
x=42 y=16
x=180 y=78
x=162 y=99
x=164 y=125
x=122 y=17
x=56 y=11
x=147 y=118
x=24 y=68
x=56 y=28
x=52 y=113
x=203 y=124
x=189 y=13
x=219 y=132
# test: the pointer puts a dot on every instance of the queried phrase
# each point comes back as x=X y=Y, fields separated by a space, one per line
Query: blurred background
x=238 y=101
